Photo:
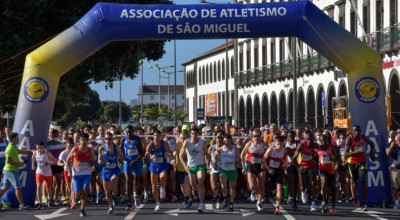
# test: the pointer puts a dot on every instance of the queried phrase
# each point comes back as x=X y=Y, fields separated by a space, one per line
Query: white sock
x=157 y=203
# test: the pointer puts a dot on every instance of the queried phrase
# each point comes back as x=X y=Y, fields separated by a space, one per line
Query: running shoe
x=289 y=200
x=225 y=202
x=259 y=207
x=40 y=207
x=110 y=210
x=396 y=206
x=294 y=206
x=277 y=212
x=73 y=206
x=356 y=203
x=66 y=201
x=56 y=202
x=190 y=203
x=82 y=213
x=186 y=202
x=98 y=200
x=253 y=196
x=333 y=210
x=44 y=199
x=137 y=202
x=1 y=206
x=123 y=199
x=195 y=198
x=364 y=208
x=218 y=205
x=115 y=202
x=200 y=209
x=157 y=208
x=174 y=198
x=313 y=208
x=128 y=207
x=23 y=207
x=230 y=209
x=162 y=193
x=304 y=197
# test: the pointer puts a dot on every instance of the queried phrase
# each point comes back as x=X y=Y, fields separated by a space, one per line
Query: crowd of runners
x=222 y=163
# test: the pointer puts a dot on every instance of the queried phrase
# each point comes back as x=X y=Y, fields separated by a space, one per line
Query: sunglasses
x=256 y=136
x=109 y=139
x=243 y=130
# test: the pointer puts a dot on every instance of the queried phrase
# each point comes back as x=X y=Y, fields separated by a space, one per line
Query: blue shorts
x=158 y=167
x=99 y=168
x=107 y=174
x=81 y=182
x=11 y=178
x=181 y=176
x=137 y=169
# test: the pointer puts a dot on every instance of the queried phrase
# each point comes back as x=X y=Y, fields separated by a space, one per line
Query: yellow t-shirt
x=180 y=166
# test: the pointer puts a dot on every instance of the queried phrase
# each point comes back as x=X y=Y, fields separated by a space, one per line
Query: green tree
x=110 y=111
x=86 y=111
x=26 y=23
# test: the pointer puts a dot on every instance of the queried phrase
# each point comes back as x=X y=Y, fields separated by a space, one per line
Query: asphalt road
x=174 y=210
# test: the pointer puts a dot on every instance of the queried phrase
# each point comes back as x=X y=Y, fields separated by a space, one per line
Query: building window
x=393 y=12
x=223 y=70
x=264 y=55
x=353 y=19
x=248 y=57
x=366 y=17
x=255 y=57
x=163 y=97
x=272 y=53
x=215 y=72
x=152 y=97
x=232 y=67
x=281 y=49
x=219 y=70
x=342 y=14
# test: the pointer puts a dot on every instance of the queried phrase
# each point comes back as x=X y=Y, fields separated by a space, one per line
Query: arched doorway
x=393 y=88
x=331 y=94
x=282 y=109
x=241 y=112
x=290 y=108
x=311 y=107
x=301 y=107
x=320 y=117
x=257 y=112
x=264 y=110
x=274 y=109
x=249 y=112
x=342 y=89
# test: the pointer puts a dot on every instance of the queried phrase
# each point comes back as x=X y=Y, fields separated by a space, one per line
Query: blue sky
x=185 y=50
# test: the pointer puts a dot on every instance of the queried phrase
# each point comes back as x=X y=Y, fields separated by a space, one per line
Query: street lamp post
x=159 y=82
x=169 y=73
x=141 y=103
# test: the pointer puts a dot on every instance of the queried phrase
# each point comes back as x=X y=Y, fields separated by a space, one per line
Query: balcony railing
x=373 y=40
x=314 y=61
x=396 y=36
x=286 y=68
x=267 y=72
x=276 y=70
x=304 y=63
x=324 y=62
x=386 y=40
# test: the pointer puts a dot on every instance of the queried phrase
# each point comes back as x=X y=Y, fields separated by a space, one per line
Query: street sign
x=131 y=121
x=200 y=114
x=119 y=120
x=323 y=98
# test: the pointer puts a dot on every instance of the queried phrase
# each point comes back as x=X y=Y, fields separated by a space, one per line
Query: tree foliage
x=24 y=24
x=110 y=112
x=150 y=111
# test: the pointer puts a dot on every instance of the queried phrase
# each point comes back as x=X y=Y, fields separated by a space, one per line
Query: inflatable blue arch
x=106 y=22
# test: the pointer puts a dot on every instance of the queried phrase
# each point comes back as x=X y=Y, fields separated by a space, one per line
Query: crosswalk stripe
x=282 y=210
x=134 y=212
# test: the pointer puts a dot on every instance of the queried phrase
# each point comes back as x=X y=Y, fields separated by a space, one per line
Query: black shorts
x=343 y=168
x=170 y=168
x=356 y=169
x=330 y=178
x=304 y=171
x=292 y=172
x=56 y=169
x=254 y=168
x=276 y=178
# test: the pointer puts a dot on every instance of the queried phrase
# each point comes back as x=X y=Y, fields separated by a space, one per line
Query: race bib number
x=82 y=165
x=342 y=152
x=255 y=160
x=158 y=160
x=228 y=165
x=111 y=165
x=306 y=157
x=42 y=165
x=274 y=163
x=325 y=160
x=133 y=152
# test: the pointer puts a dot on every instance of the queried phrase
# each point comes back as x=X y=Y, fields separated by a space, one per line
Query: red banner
x=211 y=104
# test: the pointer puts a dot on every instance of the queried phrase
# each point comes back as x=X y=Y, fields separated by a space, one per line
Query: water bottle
x=383 y=204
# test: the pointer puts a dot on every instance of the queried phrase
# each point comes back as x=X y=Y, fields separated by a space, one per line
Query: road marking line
x=55 y=214
x=282 y=210
x=134 y=212
x=209 y=206
x=371 y=213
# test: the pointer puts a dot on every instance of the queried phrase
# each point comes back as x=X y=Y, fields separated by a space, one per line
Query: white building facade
x=150 y=95
x=260 y=71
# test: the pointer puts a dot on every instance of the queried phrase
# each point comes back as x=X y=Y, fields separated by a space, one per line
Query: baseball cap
x=205 y=129
x=283 y=126
x=185 y=128
x=262 y=129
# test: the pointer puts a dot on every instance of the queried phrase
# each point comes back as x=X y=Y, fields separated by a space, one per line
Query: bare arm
x=372 y=150
x=70 y=157
x=183 y=150
x=298 y=150
x=33 y=160
x=53 y=161
x=206 y=155
x=243 y=154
